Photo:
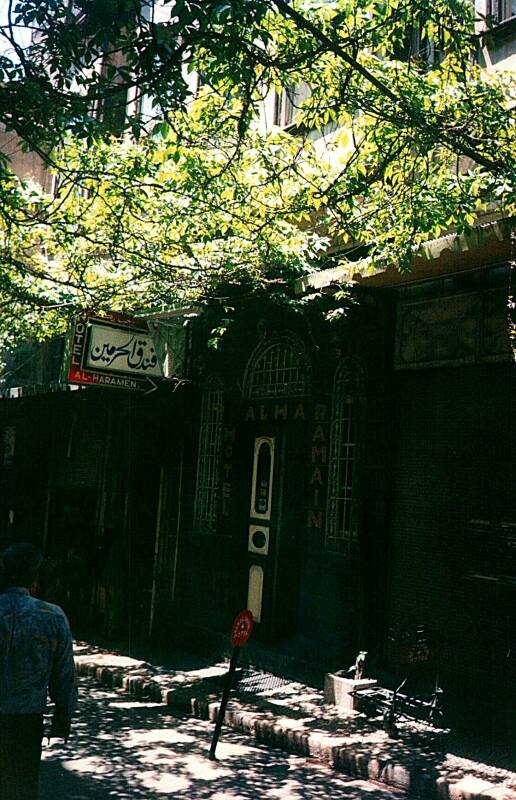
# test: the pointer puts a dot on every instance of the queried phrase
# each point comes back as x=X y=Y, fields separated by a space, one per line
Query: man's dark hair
x=21 y=562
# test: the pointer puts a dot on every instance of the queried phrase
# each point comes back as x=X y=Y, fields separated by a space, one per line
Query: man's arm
x=62 y=685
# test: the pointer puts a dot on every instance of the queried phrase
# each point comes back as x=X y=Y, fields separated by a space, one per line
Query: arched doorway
x=276 y=386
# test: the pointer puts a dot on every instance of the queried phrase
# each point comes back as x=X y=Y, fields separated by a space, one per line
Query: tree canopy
x=401 y=135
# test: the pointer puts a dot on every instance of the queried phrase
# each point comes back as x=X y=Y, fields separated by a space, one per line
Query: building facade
x=351 y=483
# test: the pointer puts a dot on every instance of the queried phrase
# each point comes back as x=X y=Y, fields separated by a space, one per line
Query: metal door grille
x=208 y=464
x=342 y=529
x=277 y=369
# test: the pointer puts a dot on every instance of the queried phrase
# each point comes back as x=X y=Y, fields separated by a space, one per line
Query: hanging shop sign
x=113 y=351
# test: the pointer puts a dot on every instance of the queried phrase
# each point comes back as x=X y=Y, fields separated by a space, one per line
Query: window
x=113 y=101
x=419 y=48
x=277 y=368
x=58 y=181
x=342 y=528
x=284 y=110
x=208 y=464
x=502 y=9
x=287 y=103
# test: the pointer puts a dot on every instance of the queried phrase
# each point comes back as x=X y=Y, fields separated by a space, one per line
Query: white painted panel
x=262 y=547
x=255 y=592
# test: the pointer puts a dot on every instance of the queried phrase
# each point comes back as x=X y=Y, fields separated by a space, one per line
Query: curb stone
x=412 y=777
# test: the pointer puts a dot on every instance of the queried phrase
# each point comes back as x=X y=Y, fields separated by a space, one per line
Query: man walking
x=36 y=659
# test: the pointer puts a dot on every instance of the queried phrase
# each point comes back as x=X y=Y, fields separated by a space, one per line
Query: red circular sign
x=242 y=627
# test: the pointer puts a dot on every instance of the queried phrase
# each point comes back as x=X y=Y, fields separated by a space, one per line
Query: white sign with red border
x=113 y=351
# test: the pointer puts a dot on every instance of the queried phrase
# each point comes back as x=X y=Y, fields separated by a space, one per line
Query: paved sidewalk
x=294 y=717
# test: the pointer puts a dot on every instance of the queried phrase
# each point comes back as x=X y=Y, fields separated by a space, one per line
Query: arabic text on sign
x=122 y=351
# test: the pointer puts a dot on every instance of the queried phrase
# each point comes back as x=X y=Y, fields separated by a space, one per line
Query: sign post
x=240 y=633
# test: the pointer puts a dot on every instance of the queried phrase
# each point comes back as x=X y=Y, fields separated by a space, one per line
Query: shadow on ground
x=123 y=750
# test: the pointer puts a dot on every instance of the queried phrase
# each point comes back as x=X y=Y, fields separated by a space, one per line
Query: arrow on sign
x=153 y=385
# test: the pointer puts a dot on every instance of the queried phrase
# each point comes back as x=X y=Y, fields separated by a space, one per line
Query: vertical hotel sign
x=112 y=351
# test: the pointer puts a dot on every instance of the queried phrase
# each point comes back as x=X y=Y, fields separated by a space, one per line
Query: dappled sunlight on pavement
x=135 y=750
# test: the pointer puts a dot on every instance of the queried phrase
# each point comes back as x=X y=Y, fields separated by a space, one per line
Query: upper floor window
x=277 y=368
x=417 y=47
x=501 y=10
x=112 y=110
x=287 y=103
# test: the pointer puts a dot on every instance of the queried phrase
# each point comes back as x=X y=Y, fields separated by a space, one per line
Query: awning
x=479 y=236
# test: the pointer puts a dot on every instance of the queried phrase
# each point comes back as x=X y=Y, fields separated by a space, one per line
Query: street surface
x=125 y=749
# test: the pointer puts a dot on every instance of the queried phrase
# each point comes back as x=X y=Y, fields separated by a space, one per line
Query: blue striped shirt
x=36 y=655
